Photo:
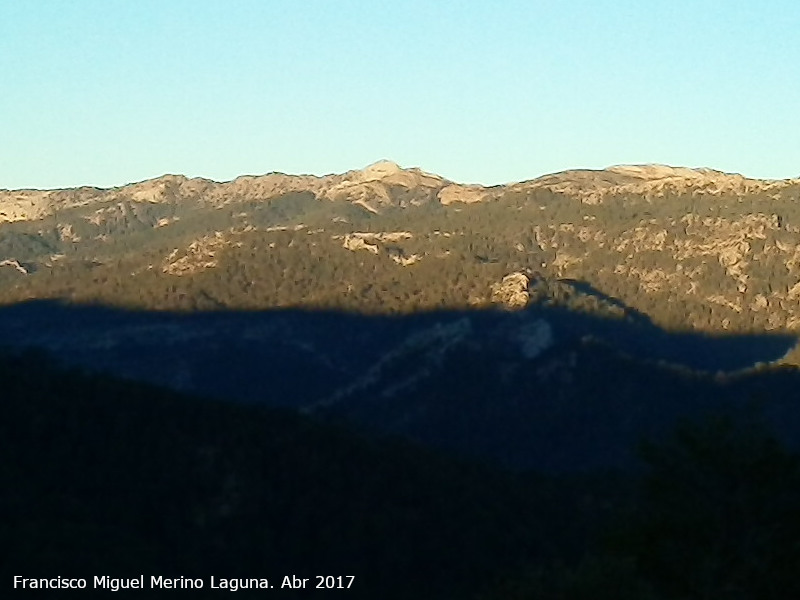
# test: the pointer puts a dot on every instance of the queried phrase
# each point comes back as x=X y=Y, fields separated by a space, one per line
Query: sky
x=107 y=92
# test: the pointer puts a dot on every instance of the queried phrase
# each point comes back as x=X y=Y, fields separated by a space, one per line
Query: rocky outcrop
x=66 y=233
x=465 y=194
x=512 y=291
x=198 y=255
x=375 y=242
x=15 y=264
x=401 y=258
x=356 y=242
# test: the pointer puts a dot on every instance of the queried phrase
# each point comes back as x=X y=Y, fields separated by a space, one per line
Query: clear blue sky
x=105 y=92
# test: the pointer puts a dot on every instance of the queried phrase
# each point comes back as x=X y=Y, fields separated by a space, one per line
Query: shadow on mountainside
x=118 y=479
x=102 y=477
x=587 y=289
x=545 y=388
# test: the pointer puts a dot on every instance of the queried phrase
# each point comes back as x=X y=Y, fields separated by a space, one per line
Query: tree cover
x=101 y=476
x=688 y=260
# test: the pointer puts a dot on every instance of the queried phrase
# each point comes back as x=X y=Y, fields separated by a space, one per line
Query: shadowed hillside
x=102 y=477
x=545 y=388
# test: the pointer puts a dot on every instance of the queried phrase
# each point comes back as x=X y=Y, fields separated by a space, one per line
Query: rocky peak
x=651 y=181
x=379 y=170
x=512 y=291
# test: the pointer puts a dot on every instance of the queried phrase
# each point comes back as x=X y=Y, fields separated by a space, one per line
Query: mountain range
x=579 y=386
x=461 y=316
x=695 y=249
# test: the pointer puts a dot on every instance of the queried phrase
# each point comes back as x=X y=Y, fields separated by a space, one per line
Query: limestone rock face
x=355 y=242
x=401 y=258
x=375 y=242
x=512 y=291
x=466 y=194
x=198 y=255
x=15 y=264
x=23 y=205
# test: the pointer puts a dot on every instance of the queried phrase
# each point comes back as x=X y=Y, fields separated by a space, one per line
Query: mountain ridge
x=692 y=248
x=374 y=187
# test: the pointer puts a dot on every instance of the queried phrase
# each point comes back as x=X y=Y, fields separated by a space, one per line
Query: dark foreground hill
x=544 y=388
x=102 y=477
x=107 y=478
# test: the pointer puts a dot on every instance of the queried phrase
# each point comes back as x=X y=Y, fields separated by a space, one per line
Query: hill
x=102 y=477
x=109 y=479
x=691 y=249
